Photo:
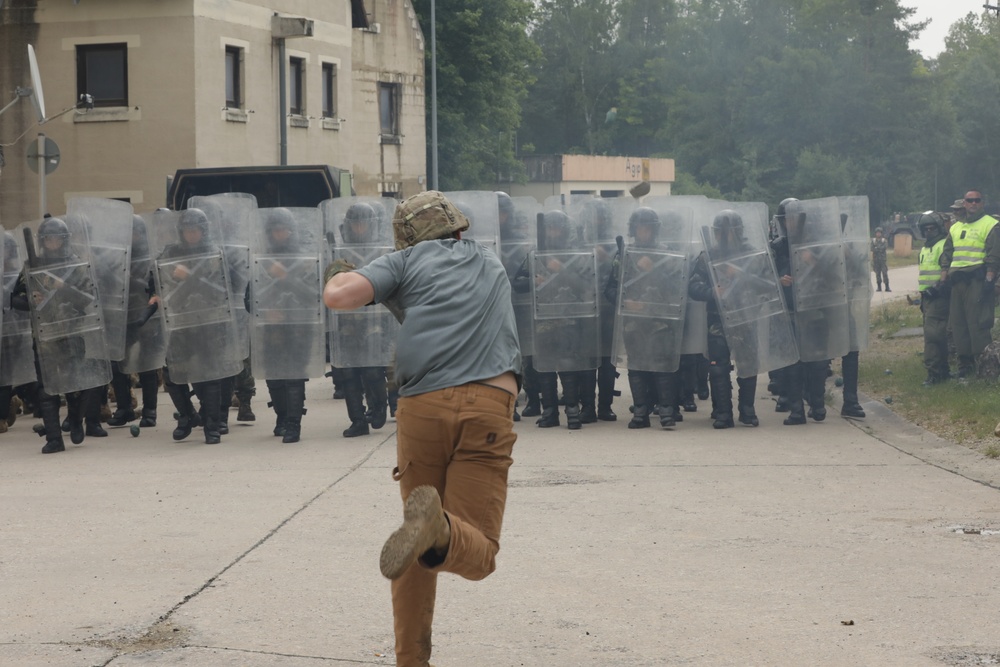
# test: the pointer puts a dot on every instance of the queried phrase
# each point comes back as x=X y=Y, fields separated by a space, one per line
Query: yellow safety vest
x=929 y=266
x=969 y=241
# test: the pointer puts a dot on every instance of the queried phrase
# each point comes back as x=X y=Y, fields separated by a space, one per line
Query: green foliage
x=483 y=54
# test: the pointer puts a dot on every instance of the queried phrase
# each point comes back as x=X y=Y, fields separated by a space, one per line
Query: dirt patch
x=163 y=635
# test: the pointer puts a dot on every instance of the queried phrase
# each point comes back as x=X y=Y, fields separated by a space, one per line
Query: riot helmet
x=930 y=225
x=360 y=224
x=561 y=232
x=192 y=228
x=426 y=216
x=53 y=239
x=644 y=226
x=280 y=230
x=728 y=228
x=779 y=216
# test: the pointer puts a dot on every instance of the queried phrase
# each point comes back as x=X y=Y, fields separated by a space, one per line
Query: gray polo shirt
x=452 y=298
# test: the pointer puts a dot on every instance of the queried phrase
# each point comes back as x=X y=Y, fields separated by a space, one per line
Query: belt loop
x=471 y=390
x=447 y=393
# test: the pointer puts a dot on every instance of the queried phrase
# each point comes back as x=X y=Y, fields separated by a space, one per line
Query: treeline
x=754 y=99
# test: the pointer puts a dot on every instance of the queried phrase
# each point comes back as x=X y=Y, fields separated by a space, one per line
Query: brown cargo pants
x=458 y=440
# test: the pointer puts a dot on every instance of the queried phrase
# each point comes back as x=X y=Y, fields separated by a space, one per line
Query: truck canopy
x=291 y=185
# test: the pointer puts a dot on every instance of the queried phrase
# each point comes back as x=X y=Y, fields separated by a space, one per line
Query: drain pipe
x=282 y=104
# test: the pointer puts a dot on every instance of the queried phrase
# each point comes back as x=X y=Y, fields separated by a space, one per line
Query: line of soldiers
x=101 y=294
x=602 y=284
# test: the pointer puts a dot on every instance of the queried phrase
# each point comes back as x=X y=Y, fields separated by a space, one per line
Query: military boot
x=815 y=389
x=722 y=396
x=792 y=381
x=295 y=397
x=74 y=409
x=377 y=395
x=572 y=384
x=210 y=397
x=355 y=409
x=637 y=382
x=187 y=417
x=666 y=395
x=701 y=377
x=149 y=383
x=549 y=400
x=91 y=403
x=124 y=412
x=276 y=390
x=851 y=406
x=747 y=389
x=533 y=405
x=49 y=408
x=245 y=412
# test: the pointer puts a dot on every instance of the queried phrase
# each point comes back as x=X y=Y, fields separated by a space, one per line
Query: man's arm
x=992 y=249
x=348 y=290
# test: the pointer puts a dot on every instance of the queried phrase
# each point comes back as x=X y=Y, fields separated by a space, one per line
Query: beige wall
x=596 y=174
x=171 y=123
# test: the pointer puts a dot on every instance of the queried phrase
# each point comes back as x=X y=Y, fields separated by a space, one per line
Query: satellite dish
x=38 y=99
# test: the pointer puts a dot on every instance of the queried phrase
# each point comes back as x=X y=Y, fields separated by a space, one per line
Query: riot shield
x=652 y=304
x=67 y=321
x=235 y=215
x=288 y=331
x=192 y=281
x=517 y=240
x=855 y=223
x=757 y=327
x=145 y=337
x=565 y=324
x=819 y=284
x=480 y=207
x=108 y=223
x=17 y=361
x=356 y=233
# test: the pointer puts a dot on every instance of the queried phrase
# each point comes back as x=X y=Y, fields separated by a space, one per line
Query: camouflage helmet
x=426 y=216
x=643 y=216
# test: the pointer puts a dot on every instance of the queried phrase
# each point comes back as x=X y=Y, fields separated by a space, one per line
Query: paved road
x=839 y=543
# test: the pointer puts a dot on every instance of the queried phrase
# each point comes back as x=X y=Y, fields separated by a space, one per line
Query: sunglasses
x=973 y=200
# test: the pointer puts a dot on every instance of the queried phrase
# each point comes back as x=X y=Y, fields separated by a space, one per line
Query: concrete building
x=553 y=175
x=197 y=83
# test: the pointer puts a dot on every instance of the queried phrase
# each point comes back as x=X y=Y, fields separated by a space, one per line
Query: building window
x=296 y=93
x=329 y=90
x=388 y=104
x=234 y=77
x=102 y=72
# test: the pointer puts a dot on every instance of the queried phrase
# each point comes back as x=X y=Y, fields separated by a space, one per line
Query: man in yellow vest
x=970 y=262
x=933 y=299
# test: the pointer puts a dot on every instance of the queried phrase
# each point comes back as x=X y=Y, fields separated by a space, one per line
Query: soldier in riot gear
x=288 y=325
x=141 y=308
x=189 y=281
x=599 y=386
x=67 y=288
x=17 y=370
x=562 y=276
x=644 y=278
x=934 y=299
x=727 y=231
x=361 y=384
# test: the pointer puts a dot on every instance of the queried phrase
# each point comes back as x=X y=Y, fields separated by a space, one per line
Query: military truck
x=289 y=185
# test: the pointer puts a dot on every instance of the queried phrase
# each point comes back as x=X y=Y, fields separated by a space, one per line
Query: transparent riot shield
x=517 y=240
x=652 y=304
x=857 y=274
x=565 y=324
x=288 y=332
x=695 y=339
x=235 y=215
x=480 y=207
x=67 y=321
x=108 y=223
x=756 y=324
x=145 y=336
x=192 y=281
x=17 y=361
x=603 y=221
x=819 y=285
x=357 y=233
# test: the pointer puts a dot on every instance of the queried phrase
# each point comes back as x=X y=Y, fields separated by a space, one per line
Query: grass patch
x=895 y=262
x=892 y=371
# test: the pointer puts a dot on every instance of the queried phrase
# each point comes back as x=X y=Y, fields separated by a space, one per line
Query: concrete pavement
x=835 y=543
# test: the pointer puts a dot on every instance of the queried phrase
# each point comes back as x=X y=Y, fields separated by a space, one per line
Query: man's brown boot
x=424 y=527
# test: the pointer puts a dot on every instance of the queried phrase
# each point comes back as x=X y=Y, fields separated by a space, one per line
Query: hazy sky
x=942 y=14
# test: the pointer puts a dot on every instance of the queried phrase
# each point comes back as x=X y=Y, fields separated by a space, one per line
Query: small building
x=603 y=176
x=181 y=84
